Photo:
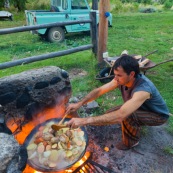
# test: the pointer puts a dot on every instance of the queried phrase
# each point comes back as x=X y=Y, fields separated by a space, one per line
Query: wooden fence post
x=94 y=32
x=103 y=30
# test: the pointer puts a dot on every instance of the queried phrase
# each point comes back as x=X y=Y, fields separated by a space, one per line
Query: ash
x=147 y=157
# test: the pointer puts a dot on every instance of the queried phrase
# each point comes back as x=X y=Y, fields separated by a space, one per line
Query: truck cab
x=62 y=10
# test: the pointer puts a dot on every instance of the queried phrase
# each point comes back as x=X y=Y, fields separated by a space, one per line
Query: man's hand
x=77 y=122
x=72 y=108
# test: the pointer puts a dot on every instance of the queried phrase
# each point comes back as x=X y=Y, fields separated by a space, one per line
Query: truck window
x=64 y=4
x=56 y=3
x=61 y=5
x=78 y=4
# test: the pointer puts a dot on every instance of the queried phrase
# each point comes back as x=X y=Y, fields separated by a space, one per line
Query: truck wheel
x=11 y=18
x=56 y=35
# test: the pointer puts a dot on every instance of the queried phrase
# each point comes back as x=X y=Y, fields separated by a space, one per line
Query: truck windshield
x=79 y=4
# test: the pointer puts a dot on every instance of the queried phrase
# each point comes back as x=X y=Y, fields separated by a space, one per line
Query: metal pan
x=37 y=166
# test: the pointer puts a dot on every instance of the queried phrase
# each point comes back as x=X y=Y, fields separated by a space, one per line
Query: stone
x=13 y=157
x=92 y=105
x=73 y=100
x=23 y=94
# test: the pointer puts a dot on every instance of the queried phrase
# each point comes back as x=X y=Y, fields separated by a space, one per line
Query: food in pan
x=55 y=149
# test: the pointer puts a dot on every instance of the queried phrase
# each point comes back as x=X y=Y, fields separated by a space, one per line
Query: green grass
x=168 y=150
x=139 y=33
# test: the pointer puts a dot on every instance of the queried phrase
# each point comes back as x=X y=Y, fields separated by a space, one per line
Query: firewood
x=138 y=57
x=143 y=63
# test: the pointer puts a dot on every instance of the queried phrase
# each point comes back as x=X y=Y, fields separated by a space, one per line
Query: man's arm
x=92 y=96
x=116 y=116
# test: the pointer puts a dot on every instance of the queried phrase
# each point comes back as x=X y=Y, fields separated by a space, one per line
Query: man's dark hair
x=128 y=63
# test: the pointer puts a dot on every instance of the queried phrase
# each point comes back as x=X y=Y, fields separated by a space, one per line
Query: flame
x=79 y=163
x=84 y=158
x=56 y=112
x=69 y=171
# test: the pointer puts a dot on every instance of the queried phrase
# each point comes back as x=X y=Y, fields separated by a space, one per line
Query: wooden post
x=103 y=30
x=94 y=32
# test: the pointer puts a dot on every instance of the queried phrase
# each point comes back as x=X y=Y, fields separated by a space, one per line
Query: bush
x=38 y=5
x=19 y=4
x=167 y=5
x=2 y=4
x=120 y=7
x=117 y=7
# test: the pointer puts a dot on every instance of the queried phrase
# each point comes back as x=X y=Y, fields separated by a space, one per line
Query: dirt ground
x=76 y=72
x=148 y=157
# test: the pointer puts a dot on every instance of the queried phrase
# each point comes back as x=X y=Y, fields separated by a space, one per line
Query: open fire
x=21 y=134
x=34 y=97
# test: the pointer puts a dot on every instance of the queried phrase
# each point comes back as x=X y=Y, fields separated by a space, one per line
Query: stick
x=150 y=53
x=62 y=119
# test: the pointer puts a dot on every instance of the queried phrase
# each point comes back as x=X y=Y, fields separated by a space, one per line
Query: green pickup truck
x=62 y=10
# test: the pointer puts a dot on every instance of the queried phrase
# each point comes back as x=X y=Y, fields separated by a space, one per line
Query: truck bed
x=38 y=17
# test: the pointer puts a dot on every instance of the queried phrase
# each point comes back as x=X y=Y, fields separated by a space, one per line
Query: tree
x=19 y=4
x=167 y=5
x=2 y=2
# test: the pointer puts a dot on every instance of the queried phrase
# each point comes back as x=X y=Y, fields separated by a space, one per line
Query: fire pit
x=33 y=99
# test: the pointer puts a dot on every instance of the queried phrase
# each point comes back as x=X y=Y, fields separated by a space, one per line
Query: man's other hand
x=72 y=108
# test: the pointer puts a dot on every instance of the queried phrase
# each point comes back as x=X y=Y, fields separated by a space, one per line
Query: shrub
x=167 y=5
x=120 y=7
x=38 y=5
x=117 y=7
x=19 y=4
x=2 y=4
